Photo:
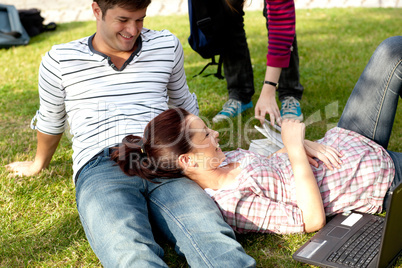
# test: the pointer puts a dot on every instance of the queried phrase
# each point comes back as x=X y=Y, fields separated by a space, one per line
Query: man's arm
x=178 y=91
x=46 y=146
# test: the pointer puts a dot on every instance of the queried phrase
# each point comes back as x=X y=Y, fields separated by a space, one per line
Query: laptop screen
x=391 y=244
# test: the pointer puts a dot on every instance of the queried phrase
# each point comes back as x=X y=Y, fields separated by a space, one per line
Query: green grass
x=39 y=223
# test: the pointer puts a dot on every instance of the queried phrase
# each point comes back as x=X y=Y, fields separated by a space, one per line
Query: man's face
x=118 y=29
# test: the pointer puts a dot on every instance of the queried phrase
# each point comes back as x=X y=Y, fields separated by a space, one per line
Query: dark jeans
x=371 y=107
x=236 y=58
x=289 y=81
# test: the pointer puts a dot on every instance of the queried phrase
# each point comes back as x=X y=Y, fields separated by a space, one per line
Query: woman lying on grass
x=294 y=189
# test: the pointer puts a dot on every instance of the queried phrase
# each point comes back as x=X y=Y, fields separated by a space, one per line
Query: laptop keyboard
x=360 y=249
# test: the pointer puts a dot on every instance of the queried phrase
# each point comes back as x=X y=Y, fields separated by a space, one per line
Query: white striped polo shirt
x=102 y=104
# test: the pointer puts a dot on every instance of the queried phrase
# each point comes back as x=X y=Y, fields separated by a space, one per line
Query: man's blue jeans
x=116 y=211
x=371 y=107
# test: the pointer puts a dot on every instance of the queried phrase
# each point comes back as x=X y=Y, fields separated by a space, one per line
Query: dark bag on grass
x=12 y=33
x=32 y=21
x=206 y=28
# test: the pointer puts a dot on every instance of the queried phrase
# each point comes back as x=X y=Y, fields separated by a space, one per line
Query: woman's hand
x=292 y=132
x=327 y=154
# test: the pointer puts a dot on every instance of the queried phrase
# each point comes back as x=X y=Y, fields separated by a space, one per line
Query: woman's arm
x=307 y=192
x=249 y=210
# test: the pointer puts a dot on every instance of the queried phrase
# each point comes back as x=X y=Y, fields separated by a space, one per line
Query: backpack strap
x=203 y=20
x=219 y=70
x=218 y=73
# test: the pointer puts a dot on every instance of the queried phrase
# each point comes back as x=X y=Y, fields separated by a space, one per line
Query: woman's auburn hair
x=155 y=155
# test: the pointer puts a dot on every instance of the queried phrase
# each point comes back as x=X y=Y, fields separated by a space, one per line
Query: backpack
x=32 y=21
x=206 y=27
x=12 y=33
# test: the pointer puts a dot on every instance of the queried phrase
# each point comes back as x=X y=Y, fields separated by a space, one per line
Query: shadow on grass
x=64 y=240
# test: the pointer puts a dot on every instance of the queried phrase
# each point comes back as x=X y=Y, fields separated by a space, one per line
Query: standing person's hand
x=266 y=104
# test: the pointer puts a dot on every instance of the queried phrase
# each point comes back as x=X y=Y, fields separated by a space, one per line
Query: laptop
x=341 y=242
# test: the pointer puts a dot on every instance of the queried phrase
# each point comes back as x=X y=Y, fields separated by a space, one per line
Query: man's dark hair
x=126 y=4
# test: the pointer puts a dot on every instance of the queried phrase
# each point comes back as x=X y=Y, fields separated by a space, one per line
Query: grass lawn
x=38 y=217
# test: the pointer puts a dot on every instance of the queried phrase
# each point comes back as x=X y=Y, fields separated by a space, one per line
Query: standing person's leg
x=397 y=158
x=371 y=107
x=237 y=66
x=289 y=81
x=191 y=220
x=114 y=213
x=236 y=58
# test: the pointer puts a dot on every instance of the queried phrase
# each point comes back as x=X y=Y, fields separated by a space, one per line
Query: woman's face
x=206 y=150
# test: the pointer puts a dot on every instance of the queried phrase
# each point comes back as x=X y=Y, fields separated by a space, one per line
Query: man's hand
x=26 y=168
x=46 y=146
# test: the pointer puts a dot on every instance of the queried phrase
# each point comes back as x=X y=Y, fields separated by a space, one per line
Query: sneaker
x=291 y=109
x=231 y=108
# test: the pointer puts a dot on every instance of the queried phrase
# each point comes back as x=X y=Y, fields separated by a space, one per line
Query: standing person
x=293 y=190
x=282 y=73
x=237 y=66
x=106 y=86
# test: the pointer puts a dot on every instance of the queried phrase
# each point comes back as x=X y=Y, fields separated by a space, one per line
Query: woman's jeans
x=372 y=105
x=116 y=211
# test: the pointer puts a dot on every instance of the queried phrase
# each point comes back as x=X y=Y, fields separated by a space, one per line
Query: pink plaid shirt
x=263 y=198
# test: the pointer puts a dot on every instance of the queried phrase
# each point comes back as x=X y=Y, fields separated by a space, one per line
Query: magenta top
x=281 y=31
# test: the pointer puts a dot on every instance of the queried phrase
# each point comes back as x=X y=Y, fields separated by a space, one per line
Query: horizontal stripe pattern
x=102 y=104
x=281 y=19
